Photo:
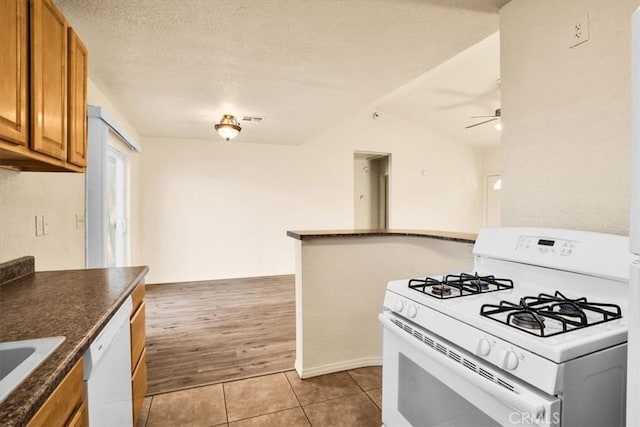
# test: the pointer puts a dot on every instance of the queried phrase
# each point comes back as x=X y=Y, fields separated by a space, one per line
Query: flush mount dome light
x=228 y=127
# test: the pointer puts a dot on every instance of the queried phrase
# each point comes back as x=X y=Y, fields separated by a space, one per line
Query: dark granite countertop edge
x=16 y=268
x=22 y=415
x=431 y=234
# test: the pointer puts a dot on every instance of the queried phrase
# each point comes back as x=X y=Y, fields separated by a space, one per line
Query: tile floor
x=349 y=398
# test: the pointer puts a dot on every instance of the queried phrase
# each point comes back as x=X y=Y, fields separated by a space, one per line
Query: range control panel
x=541 y=245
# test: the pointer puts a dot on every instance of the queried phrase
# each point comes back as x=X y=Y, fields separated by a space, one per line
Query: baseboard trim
x=337 y=367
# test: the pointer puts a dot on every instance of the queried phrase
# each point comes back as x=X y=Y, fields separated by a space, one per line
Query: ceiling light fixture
x=228 y=127
x=498 y=126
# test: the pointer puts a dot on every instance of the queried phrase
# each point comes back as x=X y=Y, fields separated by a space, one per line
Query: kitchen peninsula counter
x=444 y=235
x=75 y=304
x=341 y=278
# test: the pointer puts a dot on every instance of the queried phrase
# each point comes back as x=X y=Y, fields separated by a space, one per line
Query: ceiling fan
x=496 y=116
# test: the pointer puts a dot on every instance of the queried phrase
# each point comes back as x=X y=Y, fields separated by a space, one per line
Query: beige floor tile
x=376 y=396
x=324 y=387
x=201 y=406
x=289 y=418
x=368 y=378
x=258 y=396
x=349 y=411
x=144 y=412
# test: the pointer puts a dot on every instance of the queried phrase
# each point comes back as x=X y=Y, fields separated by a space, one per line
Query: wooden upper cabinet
x=43 y=89
x=48 y=79
x=14 y=99
x=77 y=124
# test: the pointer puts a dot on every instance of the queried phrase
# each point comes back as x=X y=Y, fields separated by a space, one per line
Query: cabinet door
x=13 y=71
x=80 y=418
x=139 y=385
x=62 y=402
x=137 y=325
x=48 y=79
x=77 y=148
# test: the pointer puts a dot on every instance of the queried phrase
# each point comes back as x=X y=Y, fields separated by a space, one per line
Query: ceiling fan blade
x=497 y=114
x=481 y=123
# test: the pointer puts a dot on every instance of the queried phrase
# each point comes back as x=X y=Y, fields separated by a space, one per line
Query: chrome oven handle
x=523 y=401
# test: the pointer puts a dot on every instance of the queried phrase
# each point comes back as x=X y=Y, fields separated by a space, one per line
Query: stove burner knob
x=412 y=311
x=509 y=360
x=399 y=305
x=484 y=347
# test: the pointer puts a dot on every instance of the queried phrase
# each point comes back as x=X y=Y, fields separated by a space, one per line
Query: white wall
x=565 y=114
x=492 y=160
x=214 y=209
x=58 y=196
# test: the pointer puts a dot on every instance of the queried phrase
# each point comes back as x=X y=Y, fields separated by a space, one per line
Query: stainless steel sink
x=19 y=358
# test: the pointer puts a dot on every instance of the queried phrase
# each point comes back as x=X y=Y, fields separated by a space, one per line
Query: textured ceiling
x=173 y=67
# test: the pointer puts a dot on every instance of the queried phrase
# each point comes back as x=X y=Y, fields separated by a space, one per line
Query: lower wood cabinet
x=138 y=351
x=139 y=385
x=65 y=406
x=80 y=418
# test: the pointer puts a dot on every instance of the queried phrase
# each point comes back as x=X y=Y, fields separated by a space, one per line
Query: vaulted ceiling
x=173 y=67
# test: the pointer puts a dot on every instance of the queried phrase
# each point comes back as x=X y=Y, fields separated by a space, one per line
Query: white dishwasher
x=107 y=372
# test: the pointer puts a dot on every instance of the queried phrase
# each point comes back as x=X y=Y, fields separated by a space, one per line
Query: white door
x=117 y=209
x=493 y=200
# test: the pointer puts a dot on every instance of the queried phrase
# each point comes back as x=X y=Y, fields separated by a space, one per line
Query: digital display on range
x=544 y=242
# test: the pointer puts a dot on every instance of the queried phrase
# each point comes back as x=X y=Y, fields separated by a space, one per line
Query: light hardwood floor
x=215 y=331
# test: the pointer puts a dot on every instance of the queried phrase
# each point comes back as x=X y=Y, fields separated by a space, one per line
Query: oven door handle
x=523 y=400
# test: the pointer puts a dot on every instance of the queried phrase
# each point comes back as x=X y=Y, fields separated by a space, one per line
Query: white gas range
x=534 y=335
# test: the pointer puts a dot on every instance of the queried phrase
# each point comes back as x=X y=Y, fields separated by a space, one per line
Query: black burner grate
x=532 y=312
x=459 y=285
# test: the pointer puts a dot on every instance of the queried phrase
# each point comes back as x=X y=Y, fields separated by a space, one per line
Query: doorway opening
x=371 y=173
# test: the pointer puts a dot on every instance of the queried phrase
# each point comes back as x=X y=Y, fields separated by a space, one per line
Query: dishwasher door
x=107 y=372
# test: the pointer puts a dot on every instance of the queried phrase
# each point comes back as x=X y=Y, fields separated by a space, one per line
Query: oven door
x=428 y=381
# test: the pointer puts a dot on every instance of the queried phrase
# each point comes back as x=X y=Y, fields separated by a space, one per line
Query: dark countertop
x=17 y=268
x=442 y=235
x=72 y=303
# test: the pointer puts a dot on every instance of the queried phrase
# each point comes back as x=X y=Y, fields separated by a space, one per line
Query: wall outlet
x=579 y=33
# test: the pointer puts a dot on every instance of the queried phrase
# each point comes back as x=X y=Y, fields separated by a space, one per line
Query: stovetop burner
x=459 y=285
x=483 y=284
x=528 y=320
x=441 y=290
x=548 y=315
